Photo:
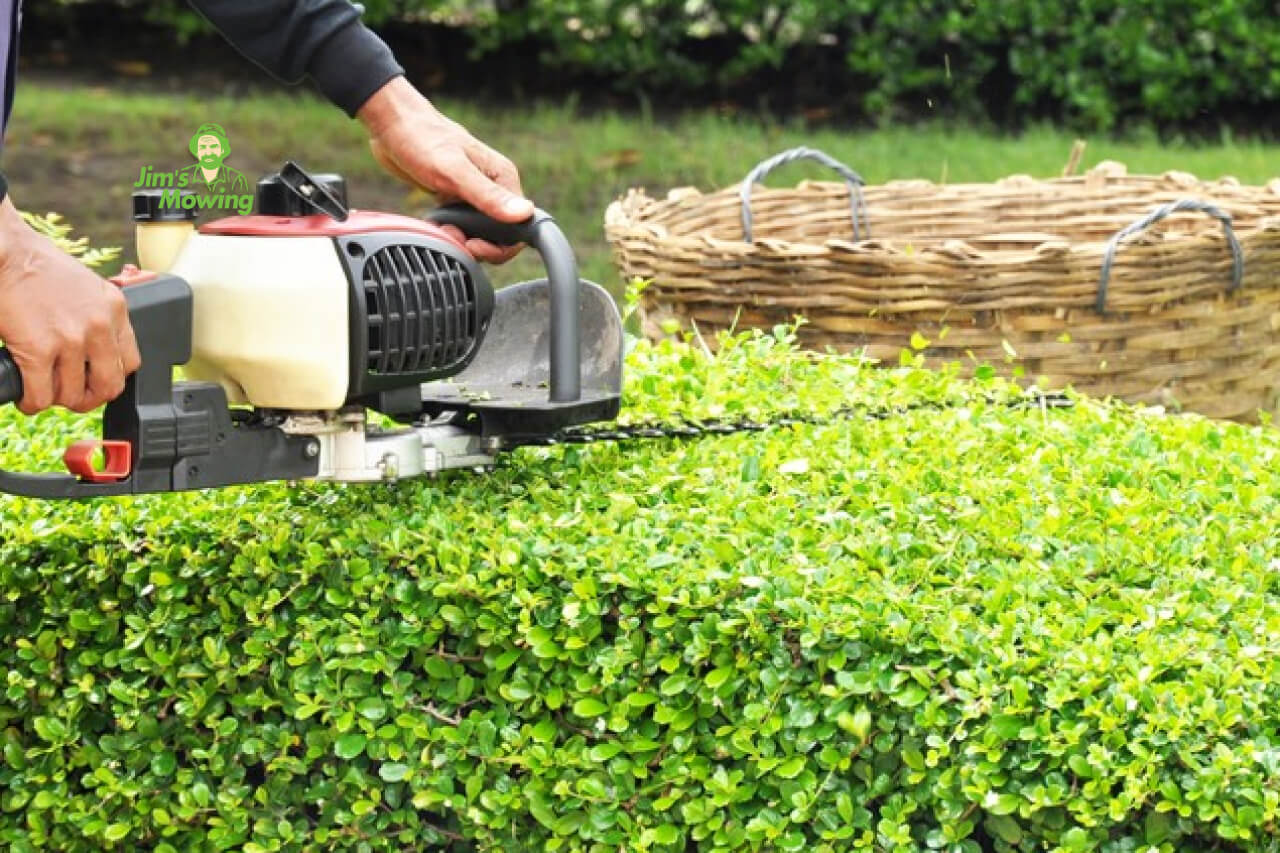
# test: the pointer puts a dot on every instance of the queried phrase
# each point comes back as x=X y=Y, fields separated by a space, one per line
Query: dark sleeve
x=320 y=39
x=4 y=187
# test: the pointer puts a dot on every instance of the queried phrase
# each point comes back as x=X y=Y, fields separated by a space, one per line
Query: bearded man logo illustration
x=210 y=147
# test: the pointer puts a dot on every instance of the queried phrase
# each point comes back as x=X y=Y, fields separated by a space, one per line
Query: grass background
x=77 y=150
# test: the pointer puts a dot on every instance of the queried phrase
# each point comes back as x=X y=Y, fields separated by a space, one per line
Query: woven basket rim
x=634 y=211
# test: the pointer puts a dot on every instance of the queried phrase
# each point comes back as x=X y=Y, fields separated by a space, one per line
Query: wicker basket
x=1156 y=289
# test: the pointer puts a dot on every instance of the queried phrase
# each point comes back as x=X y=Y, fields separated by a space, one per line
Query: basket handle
x=1158 y=213
x=856 y=203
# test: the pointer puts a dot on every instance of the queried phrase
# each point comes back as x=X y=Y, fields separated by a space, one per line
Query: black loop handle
x=542 y=233
x=1237 y=254
x=857 y=206
x=10 y=378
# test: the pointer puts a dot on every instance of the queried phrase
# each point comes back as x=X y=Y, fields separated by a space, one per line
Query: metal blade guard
x=552 y=356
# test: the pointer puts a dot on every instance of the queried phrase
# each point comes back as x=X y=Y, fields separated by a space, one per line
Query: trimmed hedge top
x=971 y=628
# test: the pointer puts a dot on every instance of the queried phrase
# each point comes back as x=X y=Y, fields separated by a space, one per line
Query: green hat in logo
x=210 y=129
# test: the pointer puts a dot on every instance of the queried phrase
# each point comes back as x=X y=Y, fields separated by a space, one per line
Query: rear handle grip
x=11 y=387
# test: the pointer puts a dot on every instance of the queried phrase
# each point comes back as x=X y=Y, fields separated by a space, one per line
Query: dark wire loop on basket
x=1237 y=254
x=857 y=206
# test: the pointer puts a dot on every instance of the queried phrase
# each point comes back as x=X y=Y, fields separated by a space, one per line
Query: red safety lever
x=117 y=460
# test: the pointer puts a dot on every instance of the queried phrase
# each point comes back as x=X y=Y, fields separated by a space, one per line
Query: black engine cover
x=419 y=311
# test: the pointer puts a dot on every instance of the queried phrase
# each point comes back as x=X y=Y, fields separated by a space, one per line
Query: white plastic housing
x=270 y=319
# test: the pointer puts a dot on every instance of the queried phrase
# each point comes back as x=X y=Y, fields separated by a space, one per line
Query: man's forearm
x=320 y=39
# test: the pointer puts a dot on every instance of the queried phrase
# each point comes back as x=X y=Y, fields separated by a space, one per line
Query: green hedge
x=975 y=628
x=1095 y=65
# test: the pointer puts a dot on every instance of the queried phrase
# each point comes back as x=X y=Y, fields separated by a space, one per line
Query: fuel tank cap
x=160 y=205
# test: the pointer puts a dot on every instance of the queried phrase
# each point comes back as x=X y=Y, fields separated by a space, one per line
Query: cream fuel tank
x=291 y=323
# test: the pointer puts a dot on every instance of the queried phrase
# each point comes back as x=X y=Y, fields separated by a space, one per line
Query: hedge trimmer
x=292 y=324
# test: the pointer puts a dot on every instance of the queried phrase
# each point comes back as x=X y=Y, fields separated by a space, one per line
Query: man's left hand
x=417 y=143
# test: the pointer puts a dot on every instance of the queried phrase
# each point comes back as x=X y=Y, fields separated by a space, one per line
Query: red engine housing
x=321 y=225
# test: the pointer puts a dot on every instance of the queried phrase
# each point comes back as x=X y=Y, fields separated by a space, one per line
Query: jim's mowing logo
x=217 y=186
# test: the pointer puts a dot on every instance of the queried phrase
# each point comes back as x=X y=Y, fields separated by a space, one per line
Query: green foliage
x=973 y=628
x=1168 y=60
x=186 y=22
x=659 y=42
x=1092 y=64
x=56 y=229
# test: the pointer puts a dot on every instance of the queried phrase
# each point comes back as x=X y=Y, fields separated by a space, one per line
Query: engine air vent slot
x=423 y=311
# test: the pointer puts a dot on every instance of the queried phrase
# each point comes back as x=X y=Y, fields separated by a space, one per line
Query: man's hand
x=67 y=329
x=415 y=142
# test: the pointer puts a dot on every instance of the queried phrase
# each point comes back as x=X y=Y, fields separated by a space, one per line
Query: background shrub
x=969 y=628
x=1096 y=65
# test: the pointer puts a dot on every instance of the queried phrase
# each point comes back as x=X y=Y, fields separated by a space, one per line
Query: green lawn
x=77 y=150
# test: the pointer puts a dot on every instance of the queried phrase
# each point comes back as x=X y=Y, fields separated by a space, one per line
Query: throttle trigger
x=117 y=460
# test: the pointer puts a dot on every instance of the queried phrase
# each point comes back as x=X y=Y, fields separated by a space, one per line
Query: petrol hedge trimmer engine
x=291 y=324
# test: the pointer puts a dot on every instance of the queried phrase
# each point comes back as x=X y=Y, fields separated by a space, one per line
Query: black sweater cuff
x=351 y=65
